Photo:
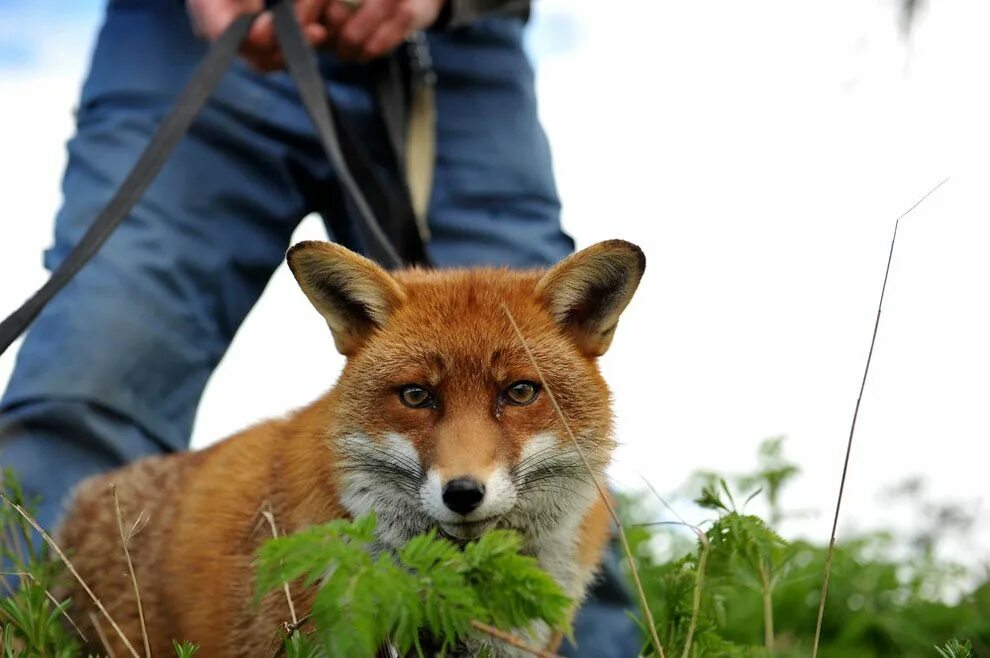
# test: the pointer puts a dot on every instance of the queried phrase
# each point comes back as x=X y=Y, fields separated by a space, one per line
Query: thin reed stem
x=598 y=485
x=124 y=540
x=270 y=517
x=511 y=639
x=852 y=429
x=95 y=621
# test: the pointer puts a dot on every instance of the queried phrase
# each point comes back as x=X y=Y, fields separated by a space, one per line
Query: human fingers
x=211 y=17
x=261 y=48
x=387 y=37
x=405 y=17
x=366 y=19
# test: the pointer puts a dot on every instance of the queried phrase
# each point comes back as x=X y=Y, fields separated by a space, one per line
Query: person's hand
x=367 y=29
x=211 y=17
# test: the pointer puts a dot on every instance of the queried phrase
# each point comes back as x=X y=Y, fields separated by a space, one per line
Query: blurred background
x=759 y=152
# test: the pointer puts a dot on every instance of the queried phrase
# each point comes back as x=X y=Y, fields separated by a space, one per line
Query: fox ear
x=587 y=291
x=353 y=294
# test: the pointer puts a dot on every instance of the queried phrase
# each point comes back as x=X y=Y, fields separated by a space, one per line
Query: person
x=115 y=366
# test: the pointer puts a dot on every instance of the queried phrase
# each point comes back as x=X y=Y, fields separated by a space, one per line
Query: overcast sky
x=759 y=153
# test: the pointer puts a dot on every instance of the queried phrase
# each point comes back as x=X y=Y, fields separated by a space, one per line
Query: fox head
x=470 y=399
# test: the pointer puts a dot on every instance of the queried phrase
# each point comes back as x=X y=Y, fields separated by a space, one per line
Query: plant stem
x=699 y=583
x=852 y=429
x=768 y=634
x=124 y=540
x=511 y=639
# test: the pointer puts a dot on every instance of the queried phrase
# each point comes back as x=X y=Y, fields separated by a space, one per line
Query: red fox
x=438 y=420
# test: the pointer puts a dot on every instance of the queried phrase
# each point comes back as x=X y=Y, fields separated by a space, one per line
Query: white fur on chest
x=557 y=551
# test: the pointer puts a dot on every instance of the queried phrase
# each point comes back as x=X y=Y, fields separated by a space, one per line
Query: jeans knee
x=53 y=443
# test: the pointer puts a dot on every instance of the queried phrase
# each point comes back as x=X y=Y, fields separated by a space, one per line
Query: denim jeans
x=115 y=366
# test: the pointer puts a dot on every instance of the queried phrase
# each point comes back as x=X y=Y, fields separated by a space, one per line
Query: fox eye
x=521 y=393
x=416 y=397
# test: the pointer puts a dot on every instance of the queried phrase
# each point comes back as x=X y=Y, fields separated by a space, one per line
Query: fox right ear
x=353 y=294
x=587 y=291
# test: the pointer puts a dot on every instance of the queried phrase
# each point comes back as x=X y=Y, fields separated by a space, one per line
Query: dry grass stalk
x=287 y=628
x=598 y=485
x=511 y=639
x=267 y=513
x=852 y=429
x=68 y=565
x=125 y=539
x=99 y=632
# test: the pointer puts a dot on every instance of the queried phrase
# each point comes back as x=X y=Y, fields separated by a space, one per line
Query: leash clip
x=420 y=60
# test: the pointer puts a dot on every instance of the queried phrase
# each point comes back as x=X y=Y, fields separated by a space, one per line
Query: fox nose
x=463 y=495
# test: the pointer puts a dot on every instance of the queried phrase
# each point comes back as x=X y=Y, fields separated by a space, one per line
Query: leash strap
x=350 y=161
x=344 y=150
x=173 y=127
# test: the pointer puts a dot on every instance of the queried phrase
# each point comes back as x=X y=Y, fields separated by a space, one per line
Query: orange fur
x=445 y=330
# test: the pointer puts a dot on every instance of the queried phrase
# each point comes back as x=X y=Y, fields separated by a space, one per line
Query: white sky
x=759 y=153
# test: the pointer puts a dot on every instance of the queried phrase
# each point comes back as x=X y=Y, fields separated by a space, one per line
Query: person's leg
x=114 y=368
x=604 y=627
x=494 y=198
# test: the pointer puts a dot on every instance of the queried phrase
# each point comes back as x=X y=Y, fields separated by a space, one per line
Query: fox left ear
x=587 y=291
x=353 y=294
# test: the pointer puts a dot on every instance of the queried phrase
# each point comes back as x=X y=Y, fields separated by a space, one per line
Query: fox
x=441 y=419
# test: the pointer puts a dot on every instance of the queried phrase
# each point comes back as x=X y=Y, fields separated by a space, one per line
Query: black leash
x=301 y=64
x=359 y=181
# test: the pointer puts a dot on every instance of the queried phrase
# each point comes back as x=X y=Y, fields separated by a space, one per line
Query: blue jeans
x=114 y=368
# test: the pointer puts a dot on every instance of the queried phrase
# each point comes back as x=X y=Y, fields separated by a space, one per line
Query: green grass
x=759 y=593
